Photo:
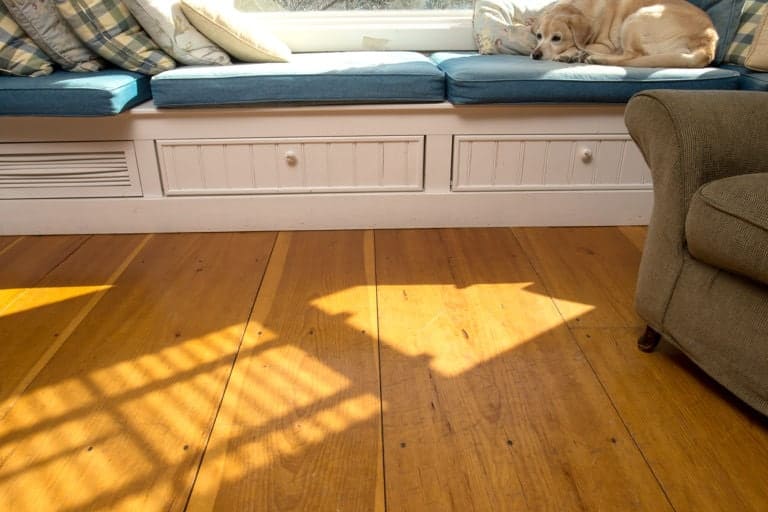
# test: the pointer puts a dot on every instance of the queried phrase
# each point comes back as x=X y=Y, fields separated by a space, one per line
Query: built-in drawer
x=291 y=165
x=68 y=169
x=547 y=162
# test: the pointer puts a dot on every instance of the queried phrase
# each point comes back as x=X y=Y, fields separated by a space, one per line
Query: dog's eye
x=556 y=39
x=538 y=35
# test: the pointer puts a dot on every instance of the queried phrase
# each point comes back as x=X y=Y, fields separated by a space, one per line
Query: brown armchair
x=703 y=281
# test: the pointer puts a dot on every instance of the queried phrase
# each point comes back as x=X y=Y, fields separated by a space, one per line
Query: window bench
x=454 y=159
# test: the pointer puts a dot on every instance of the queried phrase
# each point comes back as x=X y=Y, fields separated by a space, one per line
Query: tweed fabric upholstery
x=688 y=138
x=720 y=319
x=727 y=225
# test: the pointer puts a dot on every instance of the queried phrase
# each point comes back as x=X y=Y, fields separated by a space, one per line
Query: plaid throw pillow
x=751 y=19
x=41 y=21
x=108 y=28
x=19 y=56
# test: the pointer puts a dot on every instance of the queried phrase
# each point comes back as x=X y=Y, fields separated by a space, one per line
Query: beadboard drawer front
x=292 y=165
x=568 y=162
x=68 y=170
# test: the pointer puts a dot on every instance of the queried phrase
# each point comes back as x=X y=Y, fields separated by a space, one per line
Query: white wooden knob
x=586 y=155
x=291 y=158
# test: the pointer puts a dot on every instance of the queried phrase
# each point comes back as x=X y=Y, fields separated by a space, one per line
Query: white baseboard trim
x=326 y=211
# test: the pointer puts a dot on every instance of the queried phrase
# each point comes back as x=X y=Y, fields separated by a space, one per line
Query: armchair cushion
x=727 y=225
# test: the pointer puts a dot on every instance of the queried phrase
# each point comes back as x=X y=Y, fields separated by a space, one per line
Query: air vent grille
x=102 y=169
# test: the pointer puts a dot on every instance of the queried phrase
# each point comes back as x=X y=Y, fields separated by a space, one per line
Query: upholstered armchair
x=703 y=280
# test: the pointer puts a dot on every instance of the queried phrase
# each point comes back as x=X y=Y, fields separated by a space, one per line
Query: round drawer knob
x=586 y=155
x=291 y=158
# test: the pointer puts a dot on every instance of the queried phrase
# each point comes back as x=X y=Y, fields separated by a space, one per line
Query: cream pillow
x=504 y=26
x=164 y=22
x=235 y=32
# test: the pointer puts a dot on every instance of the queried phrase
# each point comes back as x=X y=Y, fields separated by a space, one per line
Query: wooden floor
x=426 y=370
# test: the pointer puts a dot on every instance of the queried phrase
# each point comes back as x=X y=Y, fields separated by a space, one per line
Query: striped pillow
x=108 y=28
x=19 y=55
x=752 y=17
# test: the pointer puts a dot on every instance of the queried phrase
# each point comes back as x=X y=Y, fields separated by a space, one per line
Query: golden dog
x=642 y=33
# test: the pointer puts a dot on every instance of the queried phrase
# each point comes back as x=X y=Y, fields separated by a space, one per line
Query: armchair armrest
x=688 y=138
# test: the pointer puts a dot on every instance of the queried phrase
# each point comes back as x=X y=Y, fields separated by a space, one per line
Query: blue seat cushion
x=475 y=78
x=315 y=78
x=64 y=93
x=750 y=80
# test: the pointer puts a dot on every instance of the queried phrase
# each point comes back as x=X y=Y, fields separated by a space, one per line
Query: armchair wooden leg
x=648 y=341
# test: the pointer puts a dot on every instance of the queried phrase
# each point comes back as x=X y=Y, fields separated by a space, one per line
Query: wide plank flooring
x=398 y=370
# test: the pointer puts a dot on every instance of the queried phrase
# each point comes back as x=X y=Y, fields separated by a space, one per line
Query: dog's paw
x=582 y=56
x=579 y=56
x=591 y=59
x=565 y=58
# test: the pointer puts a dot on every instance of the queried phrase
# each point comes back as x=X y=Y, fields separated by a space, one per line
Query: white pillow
x=164 y=22
x=504 y=26
x=235 y=31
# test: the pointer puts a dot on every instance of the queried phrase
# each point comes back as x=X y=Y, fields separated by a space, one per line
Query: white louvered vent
x=100 y=169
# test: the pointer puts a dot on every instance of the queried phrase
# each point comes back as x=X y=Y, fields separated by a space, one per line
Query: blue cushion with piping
x=64 y=93
x=475 y=78
x=309 y=78
x=750 y=80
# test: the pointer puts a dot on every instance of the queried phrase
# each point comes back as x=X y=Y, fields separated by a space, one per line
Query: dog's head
x=558 y=29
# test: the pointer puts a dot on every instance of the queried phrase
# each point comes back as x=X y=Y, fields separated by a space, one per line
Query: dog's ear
x=581 y=29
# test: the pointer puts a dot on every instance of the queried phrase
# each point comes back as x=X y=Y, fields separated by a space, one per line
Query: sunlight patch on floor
x=30 y=299
x=503 y=317
x=84 y=430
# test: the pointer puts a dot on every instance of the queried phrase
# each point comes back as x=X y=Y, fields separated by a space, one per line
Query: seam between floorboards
x=381 y=383
x=11 y=245
x=572 y=336
x=7 y=405
x=46 y=274
x=231 y=370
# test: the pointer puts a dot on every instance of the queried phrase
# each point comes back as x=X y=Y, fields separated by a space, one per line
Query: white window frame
x=417 y=30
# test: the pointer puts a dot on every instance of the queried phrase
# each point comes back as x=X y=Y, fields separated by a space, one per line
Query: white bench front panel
x=551 y=162
x=292 y=165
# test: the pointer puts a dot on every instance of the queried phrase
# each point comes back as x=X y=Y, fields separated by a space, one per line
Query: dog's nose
x=536 y=54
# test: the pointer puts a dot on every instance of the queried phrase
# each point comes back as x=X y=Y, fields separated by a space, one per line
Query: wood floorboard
x=119 y=417
x=7 y=242
x=709 y=452
x=488 y=402
x=300 y=425
x=635 y=234
x=690 y=430
x=590 y=272
x=501 y=373
x=25 y=263
x=39 y=319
